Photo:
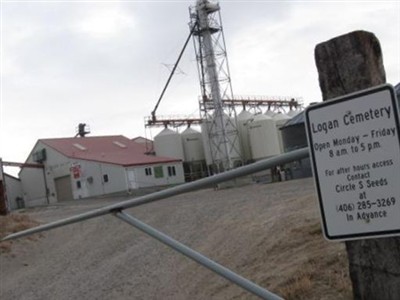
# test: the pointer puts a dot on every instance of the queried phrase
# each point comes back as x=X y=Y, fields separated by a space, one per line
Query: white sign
x=355 y=150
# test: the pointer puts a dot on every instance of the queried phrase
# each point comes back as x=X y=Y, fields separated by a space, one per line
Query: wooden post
x=346 y=64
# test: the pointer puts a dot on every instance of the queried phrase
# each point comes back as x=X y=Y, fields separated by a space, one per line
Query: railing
x=117 y=210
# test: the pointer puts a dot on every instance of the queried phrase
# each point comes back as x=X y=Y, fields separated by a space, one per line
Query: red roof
x=140 y=139
x=118 y=150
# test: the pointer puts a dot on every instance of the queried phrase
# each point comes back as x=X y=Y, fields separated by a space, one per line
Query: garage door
x=63 y=188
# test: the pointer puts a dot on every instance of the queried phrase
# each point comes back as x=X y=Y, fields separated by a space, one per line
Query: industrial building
x=82 y=167
x=13 y=187
x=225 y=139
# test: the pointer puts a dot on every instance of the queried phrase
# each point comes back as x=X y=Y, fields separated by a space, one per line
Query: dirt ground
x=268 y=233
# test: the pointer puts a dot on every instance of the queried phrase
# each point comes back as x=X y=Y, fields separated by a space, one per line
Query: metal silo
x=192 y=141
x=269 y=113
x=168 y=143
x=263 y=137
x=243 y=121
x=194 y=164
x=293 y=112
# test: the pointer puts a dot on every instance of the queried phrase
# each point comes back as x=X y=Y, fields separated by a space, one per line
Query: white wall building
x=14 y=192
x=76 y=168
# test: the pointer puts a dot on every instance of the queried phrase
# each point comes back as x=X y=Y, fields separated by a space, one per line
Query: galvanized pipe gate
x=118 y=211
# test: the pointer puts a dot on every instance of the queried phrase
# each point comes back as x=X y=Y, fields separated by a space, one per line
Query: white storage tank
x=243 y=121
x=269 y=113
x=192 y=141
x=280 y=120
x=168 y=143
x=291 y=113
x=263 y=137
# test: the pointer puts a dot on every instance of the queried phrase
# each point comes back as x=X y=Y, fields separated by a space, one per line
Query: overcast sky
x=103 y=62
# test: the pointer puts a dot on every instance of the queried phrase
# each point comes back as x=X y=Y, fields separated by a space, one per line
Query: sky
x=105 y=63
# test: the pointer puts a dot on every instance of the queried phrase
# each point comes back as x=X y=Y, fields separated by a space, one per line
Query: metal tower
x=215 y=83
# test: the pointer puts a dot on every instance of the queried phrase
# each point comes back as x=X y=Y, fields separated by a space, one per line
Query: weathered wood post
x=346 y=64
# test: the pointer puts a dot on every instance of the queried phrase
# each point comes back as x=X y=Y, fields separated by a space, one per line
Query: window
x=78 y=184
x=105 y=178
x=148 y=171
x=158 y=172
x=171 y=171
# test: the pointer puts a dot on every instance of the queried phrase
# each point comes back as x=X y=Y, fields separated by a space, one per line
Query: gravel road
x=264 y=232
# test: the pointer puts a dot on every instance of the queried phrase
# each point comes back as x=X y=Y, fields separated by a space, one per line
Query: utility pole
x=347 y=64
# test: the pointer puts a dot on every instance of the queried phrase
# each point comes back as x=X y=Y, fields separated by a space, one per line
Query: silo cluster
x=259 y=137
x=187 y=146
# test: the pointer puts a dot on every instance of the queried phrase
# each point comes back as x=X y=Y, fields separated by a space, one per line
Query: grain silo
x=243 y=121
x=280 y=120
x=263 y=137
x=192 y=141
x=168 y=143
x=293 y=112
x=194 y=164
x=269 y=113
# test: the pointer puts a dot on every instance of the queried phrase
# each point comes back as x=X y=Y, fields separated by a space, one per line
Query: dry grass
x=299 y=287
x=323 y=280
x=323 y=275
x=14 y=223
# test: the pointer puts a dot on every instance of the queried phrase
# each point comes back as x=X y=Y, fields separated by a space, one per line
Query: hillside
x=268 y=233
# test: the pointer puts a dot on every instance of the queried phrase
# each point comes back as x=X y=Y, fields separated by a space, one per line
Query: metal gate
x=118 y=211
